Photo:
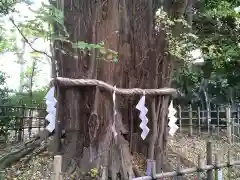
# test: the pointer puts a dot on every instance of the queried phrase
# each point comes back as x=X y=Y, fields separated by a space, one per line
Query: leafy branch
x=52 y=16
x=107 y=54
x=27 y=41
x=180 y=42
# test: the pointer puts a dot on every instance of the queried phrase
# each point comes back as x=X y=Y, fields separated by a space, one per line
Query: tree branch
x=27 y=41
x=65 y=52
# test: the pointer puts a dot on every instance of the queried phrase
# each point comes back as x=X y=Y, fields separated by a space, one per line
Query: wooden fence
x=209 y=169
x=215 y=122
x=19 y=122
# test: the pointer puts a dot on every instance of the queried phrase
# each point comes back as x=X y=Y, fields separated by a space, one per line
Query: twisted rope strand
x=67 y=82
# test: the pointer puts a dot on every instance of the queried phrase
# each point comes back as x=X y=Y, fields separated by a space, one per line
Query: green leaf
x=116 y=60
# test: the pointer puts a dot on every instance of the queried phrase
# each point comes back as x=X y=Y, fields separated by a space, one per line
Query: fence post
x=218 y=171
x=178 y=169
x=36 y=118
x=149 y=167
x=200 y=166
x=209 y=160
x=180 y=118
x=218 y=121
x=5 y=137
x=199 y=120
x=154 y=169
x=104 y=173
x=238 y=123
x=190 y=120
x=2 y=174
x=23 y=122
x=130 y=175
x=30 y=122
x=57 y=163
x=228 y=117
x=209 y=120
x=229 y=164
x=21 y=125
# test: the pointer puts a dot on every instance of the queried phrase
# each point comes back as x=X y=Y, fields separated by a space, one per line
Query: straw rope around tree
x=67 y=82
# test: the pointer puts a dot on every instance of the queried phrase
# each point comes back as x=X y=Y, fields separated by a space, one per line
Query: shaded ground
x=40 y=167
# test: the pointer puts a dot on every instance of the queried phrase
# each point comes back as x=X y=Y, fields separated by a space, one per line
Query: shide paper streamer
x=172 y=119
x=143 y=111
x=114 y=113
x=51 y=109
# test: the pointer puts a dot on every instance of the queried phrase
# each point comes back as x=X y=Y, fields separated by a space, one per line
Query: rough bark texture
x=126 y=26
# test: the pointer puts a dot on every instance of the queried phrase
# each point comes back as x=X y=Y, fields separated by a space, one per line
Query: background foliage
x=216 y=25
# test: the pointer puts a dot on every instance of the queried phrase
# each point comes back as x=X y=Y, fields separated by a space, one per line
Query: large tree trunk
x=126 y=27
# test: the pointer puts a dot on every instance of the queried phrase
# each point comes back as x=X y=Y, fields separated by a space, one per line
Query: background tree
x=29 y=75
x=217 y=25
x=9 y=44
x=4 y=98
x=5 y=45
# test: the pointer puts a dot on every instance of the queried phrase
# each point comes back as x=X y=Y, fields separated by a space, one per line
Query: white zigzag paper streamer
x=114 y=113
x=143 y=111
x=172 y=119
x=51 y=102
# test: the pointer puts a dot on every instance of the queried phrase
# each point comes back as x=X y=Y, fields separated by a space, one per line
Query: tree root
x=34 y=153
x=27 y=148
x=182 y=159
x=10 y=158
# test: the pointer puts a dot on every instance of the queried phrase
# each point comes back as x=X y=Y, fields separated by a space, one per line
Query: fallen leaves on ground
x=139 y=161
x=39 y=168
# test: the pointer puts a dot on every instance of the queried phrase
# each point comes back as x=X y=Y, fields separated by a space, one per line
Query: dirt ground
x=40 y=167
